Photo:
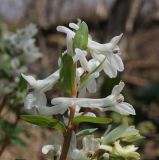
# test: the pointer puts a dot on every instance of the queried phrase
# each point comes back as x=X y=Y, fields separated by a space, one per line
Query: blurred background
x=137 y=19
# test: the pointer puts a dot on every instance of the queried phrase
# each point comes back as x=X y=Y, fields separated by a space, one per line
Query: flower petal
x=91 y=86
x=58 y=109
x=78 y=155
x=47 y=148
x=73 y=26
x=90 y=114
x=82 y=92
x=82 y=59
x=42 y=85
x=115 y=40
x=30 y=101
x=41 y=100
x=69 y=42
x=65 y=30
x=30 y=79
x=109 y=69
x=118 y=88
x=127 y=108
x=122 y=108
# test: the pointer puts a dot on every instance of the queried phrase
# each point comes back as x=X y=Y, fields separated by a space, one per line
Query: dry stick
x=68 y=134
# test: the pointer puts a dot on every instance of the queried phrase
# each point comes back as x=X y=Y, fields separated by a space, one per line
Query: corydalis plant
x=77 y=76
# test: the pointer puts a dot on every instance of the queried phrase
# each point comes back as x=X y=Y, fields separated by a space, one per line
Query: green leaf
x=81 y=37
x=44 y=121
x=86 y=132
x=67 y=74
x=88 y=119
x=116 y=133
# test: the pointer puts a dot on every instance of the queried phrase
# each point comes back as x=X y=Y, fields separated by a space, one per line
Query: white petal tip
x=59 y=28
x=47 y=148
x=121 y=35
x=122 y=84
x=24 y=76
x=73 y=26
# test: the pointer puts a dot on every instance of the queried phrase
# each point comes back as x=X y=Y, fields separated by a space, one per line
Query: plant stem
x=68 y=134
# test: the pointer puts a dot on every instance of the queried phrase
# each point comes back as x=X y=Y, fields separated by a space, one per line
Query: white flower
x=90 y=145
x=47 y=148
x=23 y=41
x=108 y=68
x=82 y=59
x=55 y=148
x=70 y=34
x=101 y=52
x=88 y=85
x=42 y=85
x=35 y=101
x=127 y=152
x=114 y=102
x=88 y=67
x=106 y=49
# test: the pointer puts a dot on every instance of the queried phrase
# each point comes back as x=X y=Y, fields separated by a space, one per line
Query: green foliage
x=44 y=121
x=88 y=119
x=86 y=132
x=81 y=37
x=67 y=74
x=10 y=132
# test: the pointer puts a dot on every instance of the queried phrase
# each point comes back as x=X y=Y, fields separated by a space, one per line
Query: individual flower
x=35 y=101
x=90 y=145
x=114 y=102
x=104 y=53
x=126 y=152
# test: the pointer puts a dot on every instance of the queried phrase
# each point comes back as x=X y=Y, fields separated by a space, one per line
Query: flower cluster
x=17 y=50
x=98 y=148
x=88 y=59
